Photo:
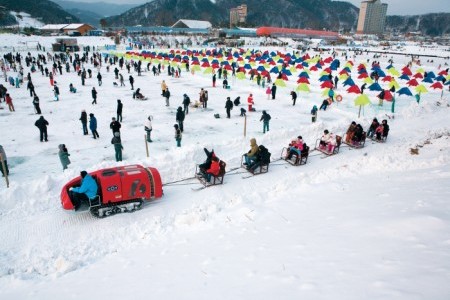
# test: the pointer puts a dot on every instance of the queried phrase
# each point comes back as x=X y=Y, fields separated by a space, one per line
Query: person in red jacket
x=214 y=169
x=9 y=102
x=250 y=102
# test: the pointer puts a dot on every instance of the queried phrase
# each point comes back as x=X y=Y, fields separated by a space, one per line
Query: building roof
x=53 y=26
x=193 y=24
x=74 y=26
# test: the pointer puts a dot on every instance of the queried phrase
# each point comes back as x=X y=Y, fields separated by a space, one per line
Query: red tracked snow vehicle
x=120 y=189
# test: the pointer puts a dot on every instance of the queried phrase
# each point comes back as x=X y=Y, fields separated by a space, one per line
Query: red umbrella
x=443 y=73
x=343 y=72
x=303 y=80
x=354 y=89
x=264 y=73
x=328 y=70
x=313 y=68
x=418 y=75
x=387 y=95
x=328 y=59
x=326 y=84
x=437 y=85
x=387 y=79
x=412 y=82
x=363 y=75
x=406 y=71
x=361 y=66
x=299 y=66
x=205 y=64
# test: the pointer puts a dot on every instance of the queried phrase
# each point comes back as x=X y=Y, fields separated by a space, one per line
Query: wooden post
x=146 y=145
x=4 y=171
x=245 y=125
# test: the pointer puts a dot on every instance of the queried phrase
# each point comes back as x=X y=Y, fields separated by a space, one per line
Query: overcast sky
x=396 y=7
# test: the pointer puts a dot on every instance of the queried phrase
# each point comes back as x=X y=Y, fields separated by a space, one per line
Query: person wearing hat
x=93 y=125
x=177 y=135
x=87 y=190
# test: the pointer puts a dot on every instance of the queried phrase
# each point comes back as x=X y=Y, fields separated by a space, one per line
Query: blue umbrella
x=261 y=69
x=375 y=87
x=439 y=78
x=286 y=72
x=303 y=74
x=305 y=64
x=247 y=66
x=349 y=81
x=404 y=91
x=388 y=67
x=431 y=75
x=404 y=77
x=381 y=73
x=275 y=70
x=428 y=79
x=447 y=82
x=324 y=78
x=361 y=71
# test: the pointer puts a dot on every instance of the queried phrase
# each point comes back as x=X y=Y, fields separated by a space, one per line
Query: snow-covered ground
x=372 y=223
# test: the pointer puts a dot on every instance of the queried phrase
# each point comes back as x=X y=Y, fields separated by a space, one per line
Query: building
x=77 y=29
x=68 y=29
x=238 y=15
x=192 y=24
x=372 y=17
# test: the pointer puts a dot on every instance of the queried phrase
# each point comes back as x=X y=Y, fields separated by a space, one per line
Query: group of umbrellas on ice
x=284 y=65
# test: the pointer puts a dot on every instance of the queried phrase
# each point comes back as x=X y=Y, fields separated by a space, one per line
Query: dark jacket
x=41 y=123
x=94 y=94
x=83 y=117
x=115 y=126
x=186 y=100
x=180 y=115
x=93 y=123
x=265 y=117
x=229 y=104
x=119 y=107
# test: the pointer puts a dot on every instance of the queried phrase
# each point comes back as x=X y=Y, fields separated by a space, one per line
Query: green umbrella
x=280 y=83
x=421 y=89
x=208 y=70
x=240 y=75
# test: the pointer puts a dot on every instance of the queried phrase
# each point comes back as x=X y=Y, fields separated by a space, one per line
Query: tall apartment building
x=372 y=17
x=238 y=15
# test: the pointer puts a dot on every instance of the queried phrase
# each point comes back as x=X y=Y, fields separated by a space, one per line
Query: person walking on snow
x=131 y=82
x=63 y=156
x=42 y=124
x=265 y=118
x=115 y=125
x=274 y=91
x=228 y=107
x=186 y=102
x=180 y=118
x=94 y=96
x=36 y=105
x=294 y=97
x=177 y=135
x=119 y=110
x=83 y=120
x=99 y=78
x=93 y=125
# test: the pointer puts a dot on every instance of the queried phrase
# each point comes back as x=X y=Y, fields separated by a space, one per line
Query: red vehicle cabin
x=120 y=184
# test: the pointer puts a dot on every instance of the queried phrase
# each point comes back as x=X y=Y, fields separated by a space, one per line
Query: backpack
x=268 y=117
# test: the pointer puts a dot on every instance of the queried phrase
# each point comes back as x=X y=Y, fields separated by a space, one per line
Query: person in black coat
x=237 y=101
x=274 y=91
x=294 y=97
x=119 y=110
x=83 y=120
x=99 y=78
x=131 y=82
x=94 y=95
x=180 y=117
x=228 y=106
x=36 y=105
x=186 y=102
x=42 y=124
x=115 y=125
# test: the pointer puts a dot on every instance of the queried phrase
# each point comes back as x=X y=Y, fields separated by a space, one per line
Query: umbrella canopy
x=304 y=74
x=324 y=78
x=375 y=87
x=404 y=77
x=280 y=83
x=418 y=75
x=404 y=91
x=427 y=80
x=368 y=80
x=302 y=87
x=387 y=95
x=326 y=84
x=240 y=75
x=349 y=81
x=387 y=79
x=362 y=100
x=437 y=85
x=394 y=72
x=394 y=83
x=407 y=71
x=363 y=75
x=354 y=89
x=303 y=80
x=421 y=89
x=412 y=82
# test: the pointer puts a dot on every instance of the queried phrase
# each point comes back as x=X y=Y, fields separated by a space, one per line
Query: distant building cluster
x=372 y=17
x=238 y=15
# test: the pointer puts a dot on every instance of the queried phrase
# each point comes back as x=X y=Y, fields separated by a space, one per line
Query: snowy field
x=372 y=223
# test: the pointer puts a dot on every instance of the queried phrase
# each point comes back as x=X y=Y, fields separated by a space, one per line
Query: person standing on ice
x=63 y=156
x=148 y=128
x=177 y=135
x=180 y=118
x=167 y=96
x=56 y=91
x=119 y=110
x=115 y=125
x=93 y=125
x=265 y=118
x=163 y=87
x=314 y=114
x=131 y=82
x=9 y=102
x=42 y=124
x=3 y=159
x=36 y=105
x=186 y=102
x=228 y=107
x=117 y=142
x=294 y=97
x=274 y=91
x=99 y=78
x=83 y=120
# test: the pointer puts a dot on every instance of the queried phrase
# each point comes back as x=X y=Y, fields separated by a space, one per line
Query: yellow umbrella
x=393 y=72
x=303 y=87
x=361 y=101
x=280 y=82
x=196 y=68
x=208 y=70
x=325 y=92
x=343 y=77
x=395 y=84
x=240 y=75
x=420 y=70
x=368 y=80
x=421 y=89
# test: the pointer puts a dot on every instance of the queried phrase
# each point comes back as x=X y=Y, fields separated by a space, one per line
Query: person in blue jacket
x=93 y=125
x=86 y=191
